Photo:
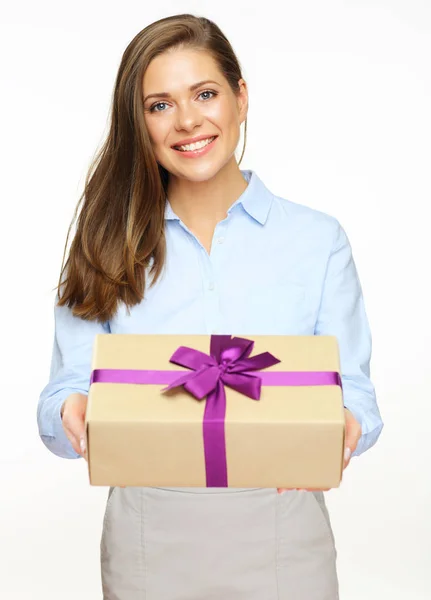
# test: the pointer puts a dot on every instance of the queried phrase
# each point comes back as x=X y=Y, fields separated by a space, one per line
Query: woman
x=174 y=238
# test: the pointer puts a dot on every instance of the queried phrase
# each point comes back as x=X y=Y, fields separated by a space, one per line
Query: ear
x=242 y=100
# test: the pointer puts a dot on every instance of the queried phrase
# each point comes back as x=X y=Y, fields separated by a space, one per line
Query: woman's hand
x=353 y=433
x=73 y=418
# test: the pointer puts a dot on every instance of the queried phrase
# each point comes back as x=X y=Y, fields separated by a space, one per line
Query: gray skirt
x=217 y=544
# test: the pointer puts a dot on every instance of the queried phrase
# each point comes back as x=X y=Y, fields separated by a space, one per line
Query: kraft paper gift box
x=281 y=424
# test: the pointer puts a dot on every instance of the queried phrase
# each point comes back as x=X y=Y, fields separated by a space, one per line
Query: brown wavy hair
x=119 y=239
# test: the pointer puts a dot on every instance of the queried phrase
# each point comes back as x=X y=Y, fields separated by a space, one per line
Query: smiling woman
x=174 y=238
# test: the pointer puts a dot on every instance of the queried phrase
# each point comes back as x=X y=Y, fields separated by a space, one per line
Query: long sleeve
x=70 y=373
x=342 y=313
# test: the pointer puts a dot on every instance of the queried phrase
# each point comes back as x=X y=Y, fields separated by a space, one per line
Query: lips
x=203 y=144
x=188 y=141
x=198 y=152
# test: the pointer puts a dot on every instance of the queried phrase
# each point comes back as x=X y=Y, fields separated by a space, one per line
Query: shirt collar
x=169 y=213
x=256 y=199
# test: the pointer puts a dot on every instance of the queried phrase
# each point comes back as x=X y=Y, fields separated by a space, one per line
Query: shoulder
x=303 y=218
x=304 y=213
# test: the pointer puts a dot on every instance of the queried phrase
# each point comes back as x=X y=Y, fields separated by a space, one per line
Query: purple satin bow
x=228 y=364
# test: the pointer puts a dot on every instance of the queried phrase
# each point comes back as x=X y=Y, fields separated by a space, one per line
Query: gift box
x=215 y=411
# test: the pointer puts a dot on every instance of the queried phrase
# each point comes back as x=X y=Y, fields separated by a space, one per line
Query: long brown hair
x=119 y=239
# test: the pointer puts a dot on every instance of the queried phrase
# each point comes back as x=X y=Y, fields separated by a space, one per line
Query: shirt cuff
x=371 y=425
x=58 y=443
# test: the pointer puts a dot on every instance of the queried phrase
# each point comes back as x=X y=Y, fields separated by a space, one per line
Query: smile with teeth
x=196 y=145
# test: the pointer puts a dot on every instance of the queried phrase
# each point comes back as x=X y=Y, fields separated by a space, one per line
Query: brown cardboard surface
x=292 y=437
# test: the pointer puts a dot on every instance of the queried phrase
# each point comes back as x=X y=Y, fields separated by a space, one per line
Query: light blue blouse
x=275 y=268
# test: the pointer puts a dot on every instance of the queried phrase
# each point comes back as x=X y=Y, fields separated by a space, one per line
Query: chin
x=194 y=172
x=197 y=170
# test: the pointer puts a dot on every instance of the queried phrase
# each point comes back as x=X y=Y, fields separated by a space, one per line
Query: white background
x=340 y=120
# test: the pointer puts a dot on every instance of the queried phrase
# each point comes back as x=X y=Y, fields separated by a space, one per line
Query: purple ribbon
x=229 y=363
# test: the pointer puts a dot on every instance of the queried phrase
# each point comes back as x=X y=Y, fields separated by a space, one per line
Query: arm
x=342 y=313
x=69 y=374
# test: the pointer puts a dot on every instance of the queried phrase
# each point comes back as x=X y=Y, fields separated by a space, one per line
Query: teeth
x=195 y=146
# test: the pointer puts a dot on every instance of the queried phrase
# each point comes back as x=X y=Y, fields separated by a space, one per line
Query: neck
x=206 y=201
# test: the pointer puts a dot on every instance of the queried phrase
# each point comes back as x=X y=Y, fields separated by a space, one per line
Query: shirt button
x=220 y=240
x=211 y=286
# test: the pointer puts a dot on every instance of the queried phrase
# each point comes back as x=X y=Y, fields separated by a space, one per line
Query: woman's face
x=183 y=107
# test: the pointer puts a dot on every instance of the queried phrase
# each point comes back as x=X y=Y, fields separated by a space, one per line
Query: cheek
x=232 y=130
x=225 y=118
x=157 y=131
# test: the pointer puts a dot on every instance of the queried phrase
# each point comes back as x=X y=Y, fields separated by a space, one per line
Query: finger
x=347 y=456
x=73 y=440
x=353 y=433
x=75 y=426
x=77 y=444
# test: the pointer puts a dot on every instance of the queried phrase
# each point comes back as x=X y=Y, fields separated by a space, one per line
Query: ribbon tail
x=181 y=380
x=214 y=437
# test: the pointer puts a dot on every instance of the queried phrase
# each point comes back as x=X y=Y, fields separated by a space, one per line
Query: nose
x=188 y=117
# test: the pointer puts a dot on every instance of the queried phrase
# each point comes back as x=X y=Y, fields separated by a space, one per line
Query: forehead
x=177 y=69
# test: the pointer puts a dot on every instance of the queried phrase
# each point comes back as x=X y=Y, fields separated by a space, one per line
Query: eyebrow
x=192 y=88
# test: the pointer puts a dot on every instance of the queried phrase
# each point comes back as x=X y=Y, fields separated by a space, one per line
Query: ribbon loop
x=245 y=383
x=191 y=358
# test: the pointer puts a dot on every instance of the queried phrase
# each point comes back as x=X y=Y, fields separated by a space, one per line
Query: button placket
x=212 y=309
x=211 y=297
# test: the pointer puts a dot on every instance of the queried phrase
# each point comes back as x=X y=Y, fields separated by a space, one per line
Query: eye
x=153 y=108
x=208 y=92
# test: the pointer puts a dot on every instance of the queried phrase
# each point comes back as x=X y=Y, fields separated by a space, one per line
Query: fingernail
x=82 y=445
x=347 y=453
